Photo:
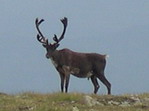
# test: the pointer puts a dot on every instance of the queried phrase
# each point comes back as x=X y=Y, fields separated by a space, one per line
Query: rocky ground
x=73 y=102
x=122 y=101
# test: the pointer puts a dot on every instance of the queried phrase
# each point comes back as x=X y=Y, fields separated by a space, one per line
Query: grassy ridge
x=73 y=102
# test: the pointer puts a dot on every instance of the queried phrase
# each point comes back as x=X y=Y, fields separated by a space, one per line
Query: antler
x=64 y=21
x=40 y=36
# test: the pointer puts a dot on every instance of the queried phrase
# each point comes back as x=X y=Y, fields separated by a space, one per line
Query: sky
x=119 y=28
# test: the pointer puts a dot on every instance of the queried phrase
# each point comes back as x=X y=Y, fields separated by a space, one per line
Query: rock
x=146 y=99
x=137 y=103
x=90 y=101
x=92 y=110
x=100 y=104
x=125 y=104
x=135 y=98
x=24 y=108
x=75 y=108
x=72 y=102
x=113 y=102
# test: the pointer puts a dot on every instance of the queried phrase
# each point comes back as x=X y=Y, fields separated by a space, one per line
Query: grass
x=68 y=102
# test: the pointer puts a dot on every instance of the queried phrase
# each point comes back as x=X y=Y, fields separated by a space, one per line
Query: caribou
x=68 y=62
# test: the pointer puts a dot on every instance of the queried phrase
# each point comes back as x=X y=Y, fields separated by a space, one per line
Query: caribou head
x=50 y=47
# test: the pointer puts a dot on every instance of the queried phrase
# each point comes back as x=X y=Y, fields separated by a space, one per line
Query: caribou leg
x=95 y=83
x=62 y=82
x=103 y=79
x=67 y=83
x=62 y=77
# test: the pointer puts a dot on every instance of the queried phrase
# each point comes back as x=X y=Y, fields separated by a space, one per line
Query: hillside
x=73 y=102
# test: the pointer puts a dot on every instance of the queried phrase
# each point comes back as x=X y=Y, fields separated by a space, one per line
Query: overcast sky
x=119 y=28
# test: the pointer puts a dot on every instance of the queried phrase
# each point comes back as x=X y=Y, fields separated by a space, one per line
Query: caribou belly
x=73 y=70
x=76 y=72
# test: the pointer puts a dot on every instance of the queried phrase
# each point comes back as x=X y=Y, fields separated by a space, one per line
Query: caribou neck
x=55 y=55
